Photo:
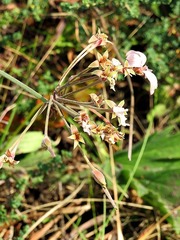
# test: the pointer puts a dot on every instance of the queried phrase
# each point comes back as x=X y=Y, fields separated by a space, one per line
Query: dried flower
x=127 y=69
x=8 y=157
x=84 y=121
x=108 y=133
x=82 y=117
x=100 y=39
x=103 y=59
x=97 y=100
x=76 y=136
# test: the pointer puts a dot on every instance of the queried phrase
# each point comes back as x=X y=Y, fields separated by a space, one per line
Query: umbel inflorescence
x=92 y=117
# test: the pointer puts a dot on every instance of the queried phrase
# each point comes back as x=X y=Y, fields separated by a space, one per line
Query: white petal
x=152 y=79
x=136 y=58
x=120 y=112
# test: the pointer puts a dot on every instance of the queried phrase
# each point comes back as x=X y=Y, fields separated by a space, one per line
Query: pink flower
x=137 y=60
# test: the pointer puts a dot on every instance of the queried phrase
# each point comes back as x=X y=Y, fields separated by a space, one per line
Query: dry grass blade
x=58 y=234
x=52 y=210
x=90 y=223
x=37 y=235
x=149 y=230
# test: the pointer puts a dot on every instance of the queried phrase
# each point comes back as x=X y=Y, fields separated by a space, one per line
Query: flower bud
x=99 y=177
x=46 y=143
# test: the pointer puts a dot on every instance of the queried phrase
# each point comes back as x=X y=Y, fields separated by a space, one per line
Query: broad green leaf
x=31 y=160
x=157 y=178
x=31 y=142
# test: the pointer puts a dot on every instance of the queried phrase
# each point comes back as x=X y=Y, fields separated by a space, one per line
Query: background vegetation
x=38 y=40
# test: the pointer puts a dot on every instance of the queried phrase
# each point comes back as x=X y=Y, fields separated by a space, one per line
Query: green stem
x=82 y=54
x=40 y=110
x=23 y=86
x=138 y=159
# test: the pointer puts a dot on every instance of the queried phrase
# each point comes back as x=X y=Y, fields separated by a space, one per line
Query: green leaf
x=157 y=178
x=31 y=142
x=31 y=160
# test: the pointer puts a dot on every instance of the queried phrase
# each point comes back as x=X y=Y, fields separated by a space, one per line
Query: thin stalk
x=83 y=88
x=132 y=99
x=114 y=182
x=40 y=110
x=86 y=159
x=138 y=159
x=131 y=117
x=61 y=115
x=118 y=216
x=100 y=116
x=70 y=101
x=47 y=115
x=23 y=86
x=69 y=111
x=78 y=81
x=82 y=54
x=86 y=104
x=106 y=191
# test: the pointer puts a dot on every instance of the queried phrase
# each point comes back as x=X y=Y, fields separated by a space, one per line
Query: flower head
x=84 y=121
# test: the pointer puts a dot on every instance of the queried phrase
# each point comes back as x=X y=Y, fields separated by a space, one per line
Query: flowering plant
x=103 y=70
